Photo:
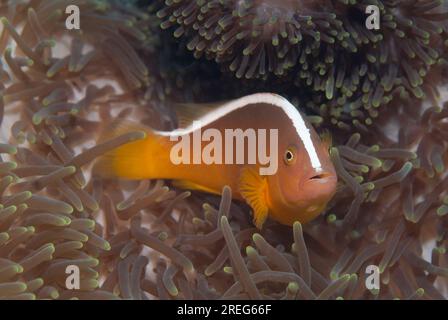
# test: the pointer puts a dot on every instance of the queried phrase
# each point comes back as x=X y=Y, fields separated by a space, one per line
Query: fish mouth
x=319 y=186
x=321 y=177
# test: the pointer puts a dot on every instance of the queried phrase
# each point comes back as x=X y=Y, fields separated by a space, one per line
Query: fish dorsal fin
x=127 y=160
x=327 y=139
x=188 y=112
x=119 y=127
x=185 y=184
x=253 y=188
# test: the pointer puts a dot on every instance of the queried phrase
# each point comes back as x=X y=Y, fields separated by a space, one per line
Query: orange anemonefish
x=299 y=190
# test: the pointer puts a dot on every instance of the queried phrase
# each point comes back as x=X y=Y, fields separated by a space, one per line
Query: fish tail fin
x=129 y=158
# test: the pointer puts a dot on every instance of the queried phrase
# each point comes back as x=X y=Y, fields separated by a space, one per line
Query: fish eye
x=289 y=156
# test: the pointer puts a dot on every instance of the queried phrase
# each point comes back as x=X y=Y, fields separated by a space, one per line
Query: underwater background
x=380 y=93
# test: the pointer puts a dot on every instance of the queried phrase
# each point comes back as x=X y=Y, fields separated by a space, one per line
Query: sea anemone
x=343 y=71
x=145 y=240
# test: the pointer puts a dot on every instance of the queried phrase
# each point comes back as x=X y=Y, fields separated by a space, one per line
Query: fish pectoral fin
x=253 y=188
x=185 y=184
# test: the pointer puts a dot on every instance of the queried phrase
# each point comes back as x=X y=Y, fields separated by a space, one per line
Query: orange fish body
x=259 y=145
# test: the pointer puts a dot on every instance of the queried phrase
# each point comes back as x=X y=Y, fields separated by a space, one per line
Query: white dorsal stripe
x=269 y=98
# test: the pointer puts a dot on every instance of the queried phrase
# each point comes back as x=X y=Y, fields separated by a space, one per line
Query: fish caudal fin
x=129 y=158
x=253 y=189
